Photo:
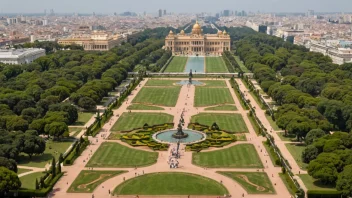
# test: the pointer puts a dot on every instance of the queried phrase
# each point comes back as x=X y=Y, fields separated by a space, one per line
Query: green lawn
x=313 y=184
x=116 y=155
x=296 y=152
x=28 y=181
x=88 y=180
x=129 y=121
x=156 y=82
x=273 y=156
x=222 y=108
x=238 y=156
x=76 y=130
x=158 y=96
x=291 y=187
x=53 y=149
x=143 y=107
x=214 y=83
x=83 y=118
x=177 y=64
x=254 y=124
x=272 y=123
x=252 y=182
x=170 y=184
x=241 y=137
x=215 y=65
x=242 y=66
x=22 y=170
x=226 y=121
x=206 y=96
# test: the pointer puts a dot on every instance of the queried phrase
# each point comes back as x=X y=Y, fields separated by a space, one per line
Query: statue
x=190 y=76
x=180 y=134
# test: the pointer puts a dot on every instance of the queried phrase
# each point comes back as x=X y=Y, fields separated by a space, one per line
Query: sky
x=175 y=6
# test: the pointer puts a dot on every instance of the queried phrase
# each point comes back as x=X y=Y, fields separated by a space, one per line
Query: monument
x=190 y=77
x=180 y=134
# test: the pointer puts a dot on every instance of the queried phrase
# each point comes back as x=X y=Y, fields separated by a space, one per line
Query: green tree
x=56 y=129
x=309 y=153
x=33 y=145
x=86 y=103
x=53 y=167
x=313 y=135
x=325 y=167
x=36 y=184
x=8 y=163
x=344 y=181
x=8 y=180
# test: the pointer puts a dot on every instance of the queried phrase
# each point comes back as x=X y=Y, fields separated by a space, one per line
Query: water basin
x=166 y=136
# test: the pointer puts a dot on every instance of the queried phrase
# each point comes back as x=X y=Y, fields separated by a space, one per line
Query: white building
x=338 y=55
x=20 y=56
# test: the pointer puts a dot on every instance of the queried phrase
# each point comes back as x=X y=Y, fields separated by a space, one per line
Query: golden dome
x=196 y=26
x=171 y=32
x=182 y=32
x=225 y=33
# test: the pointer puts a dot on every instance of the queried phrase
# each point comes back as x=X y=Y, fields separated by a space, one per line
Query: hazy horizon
x=179 y=6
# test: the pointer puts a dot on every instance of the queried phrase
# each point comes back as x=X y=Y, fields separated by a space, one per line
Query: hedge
x=323 y=194
x=71 y=157
x=37 y=193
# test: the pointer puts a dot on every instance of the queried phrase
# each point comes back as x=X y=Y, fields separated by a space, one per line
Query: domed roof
x=225 y=33
x=171 y=32
x=196 y=26
x=182 y=32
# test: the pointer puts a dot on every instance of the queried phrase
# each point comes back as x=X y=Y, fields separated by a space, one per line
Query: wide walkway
x=184 y=103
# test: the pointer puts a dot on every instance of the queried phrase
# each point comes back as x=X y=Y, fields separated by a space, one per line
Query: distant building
x=98 y=41
x=164 y=12
x=160 y=12
x=310 y=13
x=226 y=13
x=198 y=43
x=20 y=56
x=338 y=55
x=11 y=21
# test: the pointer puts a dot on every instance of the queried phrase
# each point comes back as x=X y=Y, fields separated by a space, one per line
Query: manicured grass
x=242 y=66
x=22 y=170
x=177 y=64
x=52 y=149
x=129 y=121
x=143 y=107
x=238 y=156
x=206 y=96
x=88 y=180
x=260 y=104
x=291 y=187
x=241 y=137
x=215 y=65
x=28 y=181
x=272 y=123
x=214 y=83
x=155 y=82
x=83 y=118
x=222 y=108
x=296 y=152
x=313 y=184
x=226 y=121
x=115 y=155
x=252 y=182
x=158 y=96
x=170 y=184
x=75 y=130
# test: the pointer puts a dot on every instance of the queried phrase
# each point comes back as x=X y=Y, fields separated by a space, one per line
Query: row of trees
x=314 y=98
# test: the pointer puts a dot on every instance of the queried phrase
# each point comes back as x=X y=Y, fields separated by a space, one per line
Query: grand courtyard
x=117 y=167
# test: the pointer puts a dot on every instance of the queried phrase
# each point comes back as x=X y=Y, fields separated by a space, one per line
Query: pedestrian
x=109 y=191
x=123 y=178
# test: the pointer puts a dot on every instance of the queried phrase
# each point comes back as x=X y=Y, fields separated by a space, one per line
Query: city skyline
x=108 y=6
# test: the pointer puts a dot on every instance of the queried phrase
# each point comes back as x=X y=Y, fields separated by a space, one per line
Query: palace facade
x=197 y=43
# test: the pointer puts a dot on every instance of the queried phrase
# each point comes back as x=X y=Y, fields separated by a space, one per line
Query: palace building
x=197 y=43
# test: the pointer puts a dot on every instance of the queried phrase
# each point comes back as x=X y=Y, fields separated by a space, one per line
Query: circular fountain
x=179 y=135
